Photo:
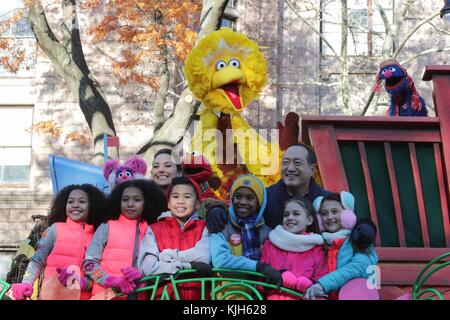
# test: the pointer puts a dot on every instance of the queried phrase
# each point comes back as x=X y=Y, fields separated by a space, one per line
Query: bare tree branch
x=412 y=31
x=73 y=69
x=324 y=39
x=174 y=128
x=164 y=73
x=424 y=53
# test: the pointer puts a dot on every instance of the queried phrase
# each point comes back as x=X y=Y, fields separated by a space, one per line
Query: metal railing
x=419 y=291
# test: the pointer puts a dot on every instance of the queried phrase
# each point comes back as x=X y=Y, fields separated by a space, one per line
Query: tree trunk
x=174 y=129
x=68 y=60
x=344 y=60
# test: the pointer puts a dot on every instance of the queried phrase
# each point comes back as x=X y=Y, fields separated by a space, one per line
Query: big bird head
x=226 y=71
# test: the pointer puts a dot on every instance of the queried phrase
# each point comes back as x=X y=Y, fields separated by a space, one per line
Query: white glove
x=316 y=290
x=169 y=255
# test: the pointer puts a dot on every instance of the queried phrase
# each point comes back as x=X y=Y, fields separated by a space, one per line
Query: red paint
x=419 y=194
x=395 y=194
x=369 y=188
x=444 y=202
x=323 y=140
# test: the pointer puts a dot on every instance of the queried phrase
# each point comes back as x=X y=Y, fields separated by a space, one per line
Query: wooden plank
x=371 y=121
x=411 y=254
x=442 y=193
x=406 y=274
x=329 y=158
x=395 y=194
x=369 y=188
x=392 y=134
x=419 y=194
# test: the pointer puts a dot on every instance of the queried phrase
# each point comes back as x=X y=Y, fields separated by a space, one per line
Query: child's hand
x=273 y=275
x=216 y=220
x=316 y=290
x=303 y=283
x=21 y=291
x=289 y=280
x=131 y=274
x=120 y=283
x=71 y=279
x=201 y=268
x=169 y=255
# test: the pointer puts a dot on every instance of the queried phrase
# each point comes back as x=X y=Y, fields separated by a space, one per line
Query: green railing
x=4 y=288
x=419 y=291
x=228 y=284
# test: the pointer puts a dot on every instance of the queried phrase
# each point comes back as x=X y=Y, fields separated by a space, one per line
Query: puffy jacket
x=169 y=235
x=309 y=263
x=72 y=240
x=118 y=252
x=351 y=264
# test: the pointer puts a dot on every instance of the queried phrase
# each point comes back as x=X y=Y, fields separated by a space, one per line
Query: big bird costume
x=226 y=71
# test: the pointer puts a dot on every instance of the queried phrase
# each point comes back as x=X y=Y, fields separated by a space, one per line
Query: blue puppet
x=405 y=100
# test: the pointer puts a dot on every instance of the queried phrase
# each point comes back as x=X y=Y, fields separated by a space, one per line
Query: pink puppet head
x=115 y=173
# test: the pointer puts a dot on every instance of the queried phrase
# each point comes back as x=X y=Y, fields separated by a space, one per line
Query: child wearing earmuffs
x=350 y=249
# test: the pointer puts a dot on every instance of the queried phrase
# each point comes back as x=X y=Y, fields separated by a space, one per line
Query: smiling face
x=183 y=202
x=132 y=203
x=330 y=212
x=296 y=219
x=77 y=206
x=295 y=169
x=164 y=170
x=245 y=202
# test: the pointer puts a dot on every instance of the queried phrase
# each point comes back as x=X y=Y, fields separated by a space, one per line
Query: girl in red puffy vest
x=76 y=211
x=111 y=259
x=179 y=240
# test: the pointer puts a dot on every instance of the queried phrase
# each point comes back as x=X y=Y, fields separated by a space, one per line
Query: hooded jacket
x=300 y=254
x=351 y=264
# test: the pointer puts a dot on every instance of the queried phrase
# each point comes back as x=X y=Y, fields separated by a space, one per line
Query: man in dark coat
x=297 y=168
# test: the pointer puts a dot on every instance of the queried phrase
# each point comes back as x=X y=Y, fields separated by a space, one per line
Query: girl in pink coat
x=296 y=247
x=76 y=211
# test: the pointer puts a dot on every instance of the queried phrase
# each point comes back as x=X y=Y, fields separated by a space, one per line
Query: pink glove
x=303 y=283
x=289 y=280
x=131 y=274
x=69 y=278
x=120 y=283
x=21 y=291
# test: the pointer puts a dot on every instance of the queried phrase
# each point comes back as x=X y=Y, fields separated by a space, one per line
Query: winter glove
x=120 y=283
x=131 y=274
x=316 y=290
x=21 y=291
x=273 y=275
x=169 y=255
x=216 y=219
x=71 y=279
x=201 y=268
x=299 y=284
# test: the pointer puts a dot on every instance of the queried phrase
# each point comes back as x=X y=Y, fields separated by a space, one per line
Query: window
x=21 y=34
x=15 y=145
x=230 y=15
x=365 y=26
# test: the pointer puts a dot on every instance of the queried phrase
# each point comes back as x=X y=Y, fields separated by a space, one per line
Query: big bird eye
x=220 y=65
x=234 y=63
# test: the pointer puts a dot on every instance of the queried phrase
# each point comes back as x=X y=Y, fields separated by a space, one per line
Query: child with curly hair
x=76 y=211
x=111 y=259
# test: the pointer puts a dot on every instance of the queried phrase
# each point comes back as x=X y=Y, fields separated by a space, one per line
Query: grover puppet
x=405 y=100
